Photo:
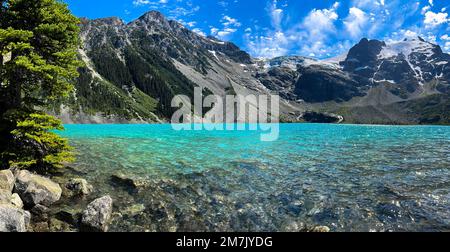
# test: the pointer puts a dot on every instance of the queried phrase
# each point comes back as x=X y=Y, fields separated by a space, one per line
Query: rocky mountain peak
x=153 y=18
x=153 y=15
x=414 y=38
x=365 y=53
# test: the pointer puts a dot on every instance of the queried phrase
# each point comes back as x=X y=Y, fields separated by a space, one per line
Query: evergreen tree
x=38 y=63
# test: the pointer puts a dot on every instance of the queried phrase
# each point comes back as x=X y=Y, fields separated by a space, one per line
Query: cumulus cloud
x=320 y=22
x=355 y=22
x=319 y=26
x=229 y=26
x=433 y=19
x=199 y=32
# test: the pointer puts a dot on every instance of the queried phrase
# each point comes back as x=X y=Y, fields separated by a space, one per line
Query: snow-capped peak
x=407 y=47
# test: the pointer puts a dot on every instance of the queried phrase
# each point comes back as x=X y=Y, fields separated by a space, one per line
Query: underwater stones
x=390 y=212
x=69 y=215
x=56 y=225
x=320 y=229
x=297 y=226
x=133 y=210
x=40 y=213
x=34 y=189
x=6 y=180
x=97 y=215
x=130 y=181
x=79 y=187
x=294 y=226
x=40 y=227
x=13 y=219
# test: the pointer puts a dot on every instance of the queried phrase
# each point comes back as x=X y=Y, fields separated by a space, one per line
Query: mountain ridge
x=143 y=64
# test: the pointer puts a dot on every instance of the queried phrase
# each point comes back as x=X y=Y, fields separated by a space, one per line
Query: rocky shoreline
x=66 y=202
x=27 y=203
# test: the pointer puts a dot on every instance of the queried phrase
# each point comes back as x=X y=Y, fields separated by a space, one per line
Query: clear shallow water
x=347 y=177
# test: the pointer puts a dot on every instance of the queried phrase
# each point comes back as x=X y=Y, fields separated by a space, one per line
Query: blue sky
x=269 y=28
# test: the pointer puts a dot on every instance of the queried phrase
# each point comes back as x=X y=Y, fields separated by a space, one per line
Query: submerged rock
x=40 y=227
x=320 y=229
x=6 y=180
x=40 y=213
x=133 y=210
x=130 y=181
x=69 y=215
x=13 y=219
x=35 y=189
x=97 y=215
x=79 y=187
x=56 y=225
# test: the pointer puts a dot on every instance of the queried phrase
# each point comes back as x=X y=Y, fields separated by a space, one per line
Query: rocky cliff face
x=374 y=78
x=132 y=71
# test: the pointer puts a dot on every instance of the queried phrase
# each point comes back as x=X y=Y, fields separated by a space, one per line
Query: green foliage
x=35 y=145
x=98 y=96
x=38 y=64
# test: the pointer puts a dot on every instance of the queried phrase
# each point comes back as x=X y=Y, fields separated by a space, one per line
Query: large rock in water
x=97 y=215
x=35 y=189
x=79 y=187
x=130 y=181
x=13 y=219
x=6 y=180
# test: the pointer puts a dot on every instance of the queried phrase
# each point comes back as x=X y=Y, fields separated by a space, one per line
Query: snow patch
x=441 y=63
x=217 y=42
x=406 y=48
x=214 y=53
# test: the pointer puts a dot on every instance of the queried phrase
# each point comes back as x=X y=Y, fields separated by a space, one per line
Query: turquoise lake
x=346 y=177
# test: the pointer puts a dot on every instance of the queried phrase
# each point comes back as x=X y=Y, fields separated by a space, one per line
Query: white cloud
x=320 y=22
x=355 y=22
x=274 y=42
x=229 y=21
x=425 y=9
x=276 y=14
x=268 y=46
x=447 y=46
x=199 y=32
x=230 y=26
x=434 y=19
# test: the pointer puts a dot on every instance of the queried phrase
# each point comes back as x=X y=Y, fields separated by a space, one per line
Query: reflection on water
x=347 y=177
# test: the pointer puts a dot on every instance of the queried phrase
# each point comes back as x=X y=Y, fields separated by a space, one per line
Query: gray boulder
x=79 y=187
x=13 y=219
x=16 y=200
x=6 y=180
x=97 y=215
x=5 y=196
x=34 y=189
x=129 y=181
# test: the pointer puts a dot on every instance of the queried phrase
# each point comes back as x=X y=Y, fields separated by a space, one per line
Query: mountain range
x=133 y=70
